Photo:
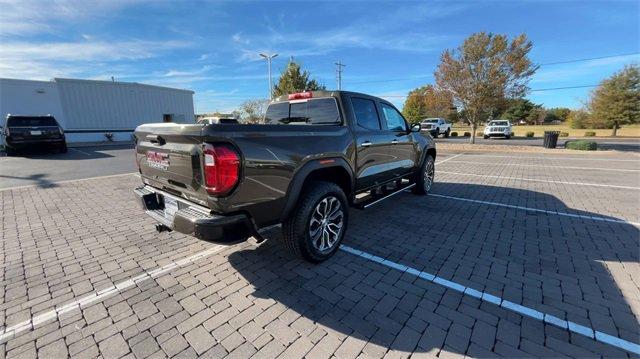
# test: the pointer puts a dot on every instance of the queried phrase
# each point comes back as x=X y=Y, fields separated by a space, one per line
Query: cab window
x=395 y=121
x=366 y=113
x=322 y=111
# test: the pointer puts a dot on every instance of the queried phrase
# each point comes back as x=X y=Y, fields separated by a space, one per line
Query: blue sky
x=389 y=48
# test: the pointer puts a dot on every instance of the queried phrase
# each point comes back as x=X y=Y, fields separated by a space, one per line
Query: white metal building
x=87 y=109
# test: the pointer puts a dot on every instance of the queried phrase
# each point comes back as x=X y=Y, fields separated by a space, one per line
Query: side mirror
x=415 y=127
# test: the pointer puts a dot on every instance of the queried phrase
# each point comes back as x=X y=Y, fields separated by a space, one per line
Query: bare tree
x=484 y=72
x=252 y=111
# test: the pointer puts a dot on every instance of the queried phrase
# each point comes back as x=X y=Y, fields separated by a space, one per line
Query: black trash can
x=550 y=139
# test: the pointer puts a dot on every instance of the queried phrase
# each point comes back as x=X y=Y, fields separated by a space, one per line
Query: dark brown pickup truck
x=317 y=154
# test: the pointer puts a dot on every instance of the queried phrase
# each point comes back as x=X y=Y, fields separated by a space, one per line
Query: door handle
x=394 y=142
x=365 y=144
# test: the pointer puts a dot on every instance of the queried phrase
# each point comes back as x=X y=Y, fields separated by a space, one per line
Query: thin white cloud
x=579 y=70
x=359 y=34
x=28 y=17
x=32 y=60
x=87 y=50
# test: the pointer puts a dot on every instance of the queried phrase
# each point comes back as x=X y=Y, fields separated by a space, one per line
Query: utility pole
x=339 y=66
x=269 y=58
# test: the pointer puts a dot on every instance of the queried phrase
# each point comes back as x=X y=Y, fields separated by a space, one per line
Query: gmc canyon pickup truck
x=317 y=154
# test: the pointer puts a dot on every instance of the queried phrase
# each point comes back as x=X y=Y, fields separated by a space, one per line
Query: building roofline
x=61 y=79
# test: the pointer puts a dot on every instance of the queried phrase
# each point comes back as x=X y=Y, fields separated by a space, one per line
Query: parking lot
x=513 y=254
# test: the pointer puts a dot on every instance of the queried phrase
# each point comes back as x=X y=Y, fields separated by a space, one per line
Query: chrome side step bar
x=368 y=203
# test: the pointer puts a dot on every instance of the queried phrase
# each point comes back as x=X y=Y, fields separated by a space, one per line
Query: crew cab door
x=402 y=146
x=374 y=160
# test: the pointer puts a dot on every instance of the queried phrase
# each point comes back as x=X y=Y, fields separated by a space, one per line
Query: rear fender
x=297 y=184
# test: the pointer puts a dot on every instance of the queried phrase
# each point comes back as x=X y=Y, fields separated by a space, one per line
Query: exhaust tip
x=162 y=228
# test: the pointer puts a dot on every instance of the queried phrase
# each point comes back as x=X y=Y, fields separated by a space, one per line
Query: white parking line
x=540 y=180
x=91 y=298
x=546 y=166
x=80 y=151
x=514 y=307
x=565 y=214
x=449 y=158
x=73 y=180
x=551 y=157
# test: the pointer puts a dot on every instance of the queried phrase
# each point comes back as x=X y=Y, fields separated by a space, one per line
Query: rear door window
x=366 y=113
x=322 y=111
x=395 y=121
x=277 y=113
x=25 y=121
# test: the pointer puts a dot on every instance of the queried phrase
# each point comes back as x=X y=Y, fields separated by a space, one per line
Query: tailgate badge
x=158 y=160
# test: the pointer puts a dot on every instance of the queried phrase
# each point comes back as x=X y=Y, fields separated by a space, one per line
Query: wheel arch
x=335 y=170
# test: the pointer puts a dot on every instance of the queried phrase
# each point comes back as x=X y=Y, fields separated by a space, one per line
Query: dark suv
x=20 y=132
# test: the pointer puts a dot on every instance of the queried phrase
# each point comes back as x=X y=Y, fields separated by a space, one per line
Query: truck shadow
x=36 y=179
x=577 y=269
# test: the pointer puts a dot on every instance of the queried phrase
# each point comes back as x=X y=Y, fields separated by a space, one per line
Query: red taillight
x=300 y=95
x=221 y=168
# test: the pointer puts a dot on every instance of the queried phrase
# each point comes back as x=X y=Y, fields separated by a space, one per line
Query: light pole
x=269 y=58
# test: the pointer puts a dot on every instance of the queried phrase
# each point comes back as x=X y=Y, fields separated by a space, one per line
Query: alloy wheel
x=325 y=225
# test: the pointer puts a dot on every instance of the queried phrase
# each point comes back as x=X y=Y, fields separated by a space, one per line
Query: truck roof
x=324 y=93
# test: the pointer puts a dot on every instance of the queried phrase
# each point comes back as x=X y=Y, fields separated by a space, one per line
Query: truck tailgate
x=168 y=155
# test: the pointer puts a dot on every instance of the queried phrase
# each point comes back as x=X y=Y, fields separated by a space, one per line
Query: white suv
x=498 y=128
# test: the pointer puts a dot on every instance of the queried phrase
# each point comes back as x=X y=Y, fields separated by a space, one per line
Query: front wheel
x=317 y=226
x=446 y=133
x=485 y=137
x=425 y=177
x=507 y=137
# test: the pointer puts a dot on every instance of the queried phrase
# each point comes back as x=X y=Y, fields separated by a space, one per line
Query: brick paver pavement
x=68 y=241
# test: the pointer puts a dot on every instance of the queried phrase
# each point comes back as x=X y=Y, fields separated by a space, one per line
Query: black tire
x=485 y=137
x=507 y=137
x=422 y=187
x=9 y=151
x=446 y=133
x=296 y=230
x=437 y=133
x=64 y=149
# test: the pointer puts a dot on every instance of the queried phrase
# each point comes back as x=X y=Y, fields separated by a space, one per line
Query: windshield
x=314 y=111
x=432 y=120
x=26 y=121
x=499 y=123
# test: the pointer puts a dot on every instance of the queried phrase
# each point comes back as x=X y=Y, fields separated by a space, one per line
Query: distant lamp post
x=269 y=58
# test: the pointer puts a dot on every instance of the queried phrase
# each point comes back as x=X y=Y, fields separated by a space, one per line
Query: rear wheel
x=425 y=177
x=485 y=137
x=317 y=226
x=507 y=137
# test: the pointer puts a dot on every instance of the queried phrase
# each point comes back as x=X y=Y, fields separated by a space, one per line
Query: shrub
x=530 y=134
x=564 y=134
x=581 y=145
x=454 y=134
x=589 y=134
x=467 y=134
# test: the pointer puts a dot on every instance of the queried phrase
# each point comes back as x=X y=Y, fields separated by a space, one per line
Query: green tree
x=561 y=113
x=616 y=101
x=578 y=119
x=294 y=79
x=485 y=71
x=427 y=101
x=519 y=109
